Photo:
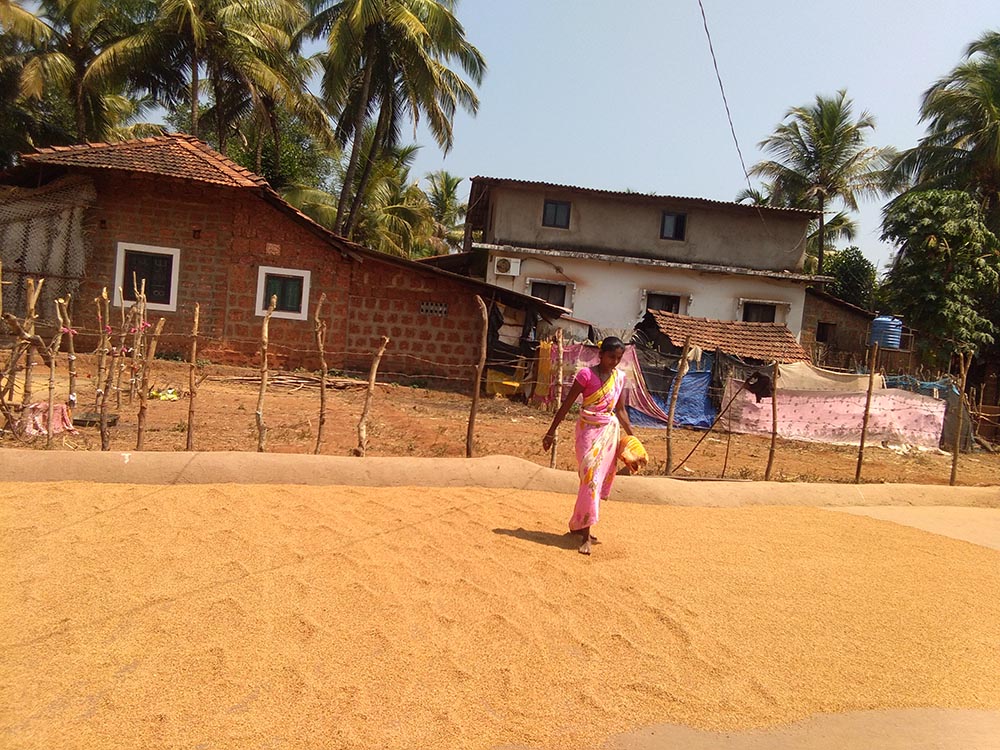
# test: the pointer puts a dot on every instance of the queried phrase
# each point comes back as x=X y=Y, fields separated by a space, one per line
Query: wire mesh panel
x=42 y=236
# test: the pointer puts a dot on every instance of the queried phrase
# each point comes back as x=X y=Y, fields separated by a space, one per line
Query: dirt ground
x=424 y=421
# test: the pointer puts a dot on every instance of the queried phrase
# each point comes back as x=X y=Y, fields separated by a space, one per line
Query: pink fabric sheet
x=897 y=417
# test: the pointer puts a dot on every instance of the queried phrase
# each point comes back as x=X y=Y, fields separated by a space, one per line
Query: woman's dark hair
x=612 y=344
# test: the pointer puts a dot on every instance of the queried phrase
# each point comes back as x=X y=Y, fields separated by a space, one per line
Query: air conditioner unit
x=507 y=266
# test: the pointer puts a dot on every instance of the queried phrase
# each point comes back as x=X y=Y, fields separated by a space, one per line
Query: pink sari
x=597 y=433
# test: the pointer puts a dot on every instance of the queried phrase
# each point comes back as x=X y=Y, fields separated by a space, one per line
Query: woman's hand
x=547 y=441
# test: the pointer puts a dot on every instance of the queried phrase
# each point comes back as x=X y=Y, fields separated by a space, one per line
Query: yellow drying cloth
x=632 y=453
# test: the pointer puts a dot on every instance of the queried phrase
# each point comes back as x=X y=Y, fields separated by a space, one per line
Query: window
x=289 y=286
x=552 y=293
x=758 y=312
x=556 y=214
x=666 y=302
x=825 y=332
x=157 y=266
x=672 y=226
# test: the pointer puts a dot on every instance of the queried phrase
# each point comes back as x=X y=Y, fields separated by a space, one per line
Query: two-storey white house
x=609 y=256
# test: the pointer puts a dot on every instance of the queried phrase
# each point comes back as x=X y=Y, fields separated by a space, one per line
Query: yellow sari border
x=603 y=391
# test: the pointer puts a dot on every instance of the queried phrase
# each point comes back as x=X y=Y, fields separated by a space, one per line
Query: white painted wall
x=608 y=293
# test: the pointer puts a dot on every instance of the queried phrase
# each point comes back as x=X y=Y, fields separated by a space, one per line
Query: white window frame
x=120 y=281
x=261 y=309
x=685 y=300
x=570 y=289
x=781 y=308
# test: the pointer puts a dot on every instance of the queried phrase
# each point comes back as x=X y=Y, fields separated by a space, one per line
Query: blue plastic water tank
x=887 y=331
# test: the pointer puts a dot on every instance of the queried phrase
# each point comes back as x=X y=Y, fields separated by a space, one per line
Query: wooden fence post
x=964 y=360
x=259 y=414
x=118 y=355
x=558 y=398
x=104 y=344
x=192 y=381
x=147 y=363
x=470 y=433
x=320 y=328
x=34 y=292
x=868 y=409
x=675 y=389
x=774 y=422
x=66 y=324
x=363 y=422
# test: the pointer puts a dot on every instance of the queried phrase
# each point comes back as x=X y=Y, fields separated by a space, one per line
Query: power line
x=722 y=88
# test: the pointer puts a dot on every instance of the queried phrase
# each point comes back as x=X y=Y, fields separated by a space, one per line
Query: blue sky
x=623 y=95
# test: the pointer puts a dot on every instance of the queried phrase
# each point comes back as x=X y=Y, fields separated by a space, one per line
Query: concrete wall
x=608 y=294
x=225 y=235
x=723 y=236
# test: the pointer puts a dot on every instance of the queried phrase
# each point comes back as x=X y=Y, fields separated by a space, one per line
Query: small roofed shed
x=758 y=342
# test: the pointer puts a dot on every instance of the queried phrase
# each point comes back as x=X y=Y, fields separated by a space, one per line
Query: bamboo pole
x=470 y=433
x=192 y=381
x=774 y=422
x=363 y=422
x=964 y=360
x=558 y=399
x=675 y=389
x=147 y=364
x=868 y=409
x=259 y=414
x=320 y=327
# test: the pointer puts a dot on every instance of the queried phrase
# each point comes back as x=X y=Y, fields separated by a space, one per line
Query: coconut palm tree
x=62 y=44
x=838 y=227
x=448 y=210
x=821 y=159
x=241 y=48
x=961 y=150
x=395 y=215
x=387 y=60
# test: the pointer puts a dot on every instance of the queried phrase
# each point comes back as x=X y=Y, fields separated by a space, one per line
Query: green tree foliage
x=388 y=60
x=961 y=150
x=395 y=215
x=57 y=62
x=946 y=274
x=821 y=160
x=855 y=277
x=27 y=122
x=448 y=210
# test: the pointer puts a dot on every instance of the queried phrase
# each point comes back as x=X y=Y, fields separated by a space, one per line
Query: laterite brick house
x=201 y=229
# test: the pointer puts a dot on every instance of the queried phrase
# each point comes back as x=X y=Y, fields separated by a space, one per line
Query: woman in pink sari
x=602 y=416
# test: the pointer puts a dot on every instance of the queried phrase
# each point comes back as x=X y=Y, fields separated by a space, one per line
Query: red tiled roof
x=765 y=341
x=173 y=155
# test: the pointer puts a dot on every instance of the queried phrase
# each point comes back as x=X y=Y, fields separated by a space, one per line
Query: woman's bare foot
x=585 y=547
x=594 y=539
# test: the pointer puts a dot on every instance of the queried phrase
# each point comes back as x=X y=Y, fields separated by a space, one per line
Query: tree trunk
x=373 y=153
x=194 y=94
x=352 y=165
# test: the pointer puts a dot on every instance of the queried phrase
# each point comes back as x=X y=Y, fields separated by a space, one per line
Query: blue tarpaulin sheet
x=694 y=408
